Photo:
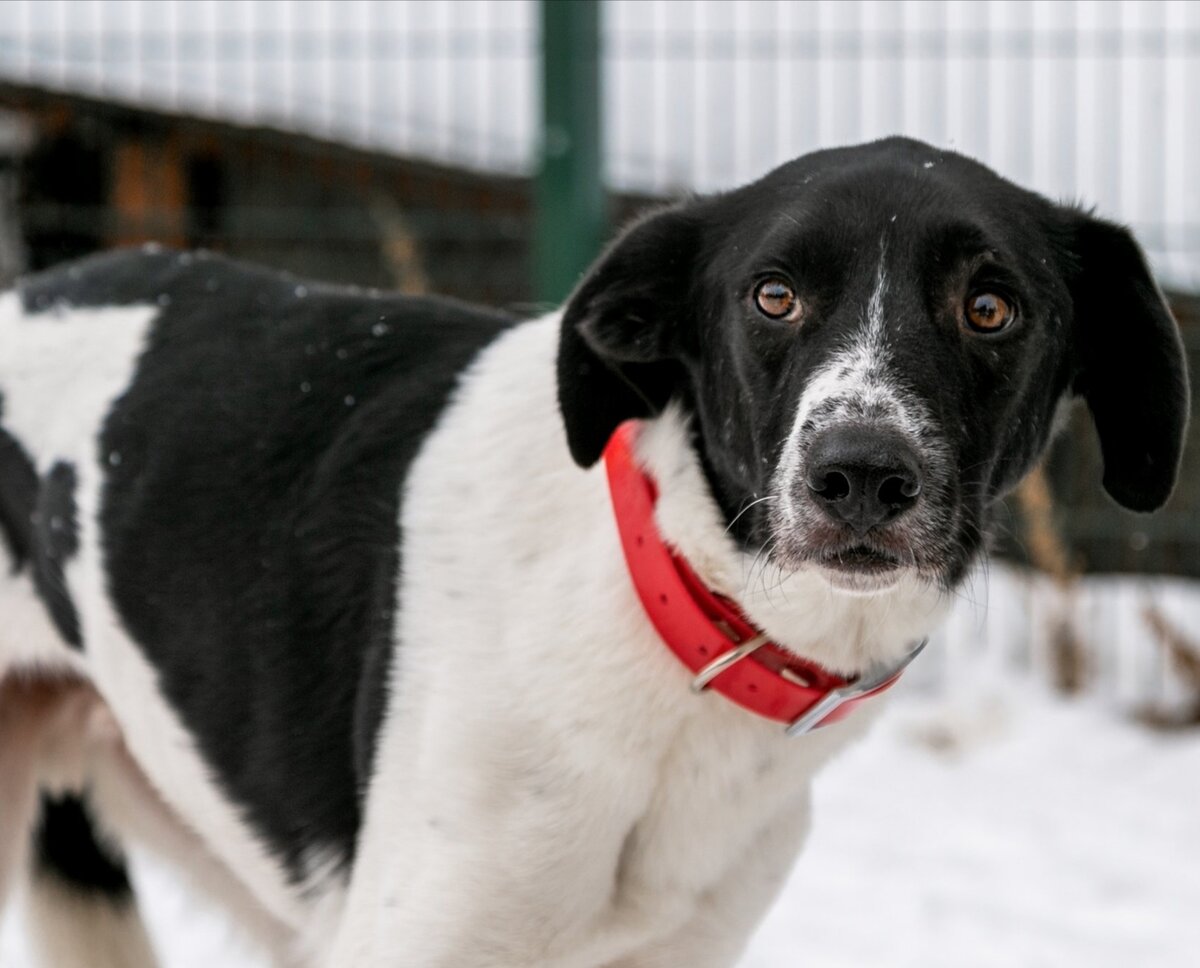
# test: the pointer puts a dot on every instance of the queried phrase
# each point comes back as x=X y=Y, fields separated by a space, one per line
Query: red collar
x=708 y=633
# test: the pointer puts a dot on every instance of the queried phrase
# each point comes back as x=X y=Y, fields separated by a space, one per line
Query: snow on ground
x=1059 y=836
x=1049 y=834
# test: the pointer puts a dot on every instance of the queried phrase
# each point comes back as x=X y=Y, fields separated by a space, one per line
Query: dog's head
x=873 y=344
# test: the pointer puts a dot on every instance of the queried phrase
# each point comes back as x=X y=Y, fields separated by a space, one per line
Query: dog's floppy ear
x=623 y=330
x=1132 y=370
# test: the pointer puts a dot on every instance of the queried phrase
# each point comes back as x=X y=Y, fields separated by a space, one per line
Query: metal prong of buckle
x=869 y=681
x=725 y=660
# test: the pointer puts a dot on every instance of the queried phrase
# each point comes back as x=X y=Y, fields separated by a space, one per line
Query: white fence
x=1003 y=621
x=1095 y=100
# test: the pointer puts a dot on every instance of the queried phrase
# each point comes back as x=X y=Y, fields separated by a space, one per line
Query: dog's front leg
x=499 y=848
x=726 y=914
x=553 y=901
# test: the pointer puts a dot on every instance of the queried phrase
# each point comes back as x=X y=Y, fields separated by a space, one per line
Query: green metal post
x=569 y=198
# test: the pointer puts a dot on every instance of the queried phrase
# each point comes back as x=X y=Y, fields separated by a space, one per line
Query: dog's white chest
x=645 y=809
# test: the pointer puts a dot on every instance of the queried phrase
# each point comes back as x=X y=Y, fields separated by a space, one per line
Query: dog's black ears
x=1131 y=367
x=623 y=330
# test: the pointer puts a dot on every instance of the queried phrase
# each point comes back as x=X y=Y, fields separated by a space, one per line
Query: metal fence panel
x=1093 y=100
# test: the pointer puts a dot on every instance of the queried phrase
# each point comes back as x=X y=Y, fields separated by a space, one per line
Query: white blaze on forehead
x=856 y=376
x=856 y=373
x=874 y=330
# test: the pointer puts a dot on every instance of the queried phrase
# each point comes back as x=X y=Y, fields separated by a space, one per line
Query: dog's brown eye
x=776 y=299
x=988 y=313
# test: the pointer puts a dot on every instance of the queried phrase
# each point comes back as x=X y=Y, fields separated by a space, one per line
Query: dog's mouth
x=854 y=563
x=860 y=568
x=860 y=559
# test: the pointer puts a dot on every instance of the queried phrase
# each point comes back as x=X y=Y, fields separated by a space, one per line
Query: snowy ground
x=1050 y=834
x=1058 y=836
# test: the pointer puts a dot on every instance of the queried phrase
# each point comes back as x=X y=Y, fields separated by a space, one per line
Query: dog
x=428 y=637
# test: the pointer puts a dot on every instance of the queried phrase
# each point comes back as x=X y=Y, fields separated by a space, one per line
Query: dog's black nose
x=863 y=476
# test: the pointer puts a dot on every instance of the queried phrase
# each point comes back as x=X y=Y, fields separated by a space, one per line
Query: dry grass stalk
x=1184 y=656
x=1043 y=541
x=400 y=247
x=1048 y=552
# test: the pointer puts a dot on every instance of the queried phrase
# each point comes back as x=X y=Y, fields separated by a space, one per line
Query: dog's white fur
x=54 y=733
x=70 y=930
x=546 y=789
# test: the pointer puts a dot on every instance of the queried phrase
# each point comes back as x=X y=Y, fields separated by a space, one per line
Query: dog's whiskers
x=737 y=517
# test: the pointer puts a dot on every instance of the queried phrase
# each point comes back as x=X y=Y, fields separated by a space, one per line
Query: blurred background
x=487 y=148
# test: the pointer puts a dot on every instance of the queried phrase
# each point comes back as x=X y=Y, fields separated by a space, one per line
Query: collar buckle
x=870 y=681
x=873 y=679
x=726 y=660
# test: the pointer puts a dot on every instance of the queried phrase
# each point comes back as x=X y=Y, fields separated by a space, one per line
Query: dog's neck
x=843 y=631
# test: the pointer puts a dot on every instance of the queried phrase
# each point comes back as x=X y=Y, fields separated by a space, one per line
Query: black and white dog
x=321 y=592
